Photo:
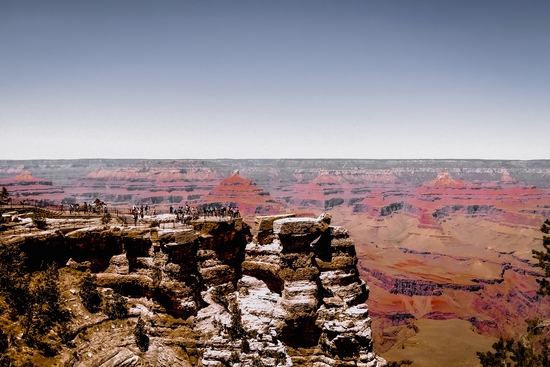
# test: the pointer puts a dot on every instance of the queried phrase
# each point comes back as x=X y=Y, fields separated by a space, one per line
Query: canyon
x=443 y=240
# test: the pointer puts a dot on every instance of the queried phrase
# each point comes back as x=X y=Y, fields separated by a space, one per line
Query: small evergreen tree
x=530 y=351
x=140 y=334
x=514 y=353
x=544 y=260
x=4 y=195
x=14 y=278
x=91 y=299
x=236 y=329
x=43 y=310
x=116 y=307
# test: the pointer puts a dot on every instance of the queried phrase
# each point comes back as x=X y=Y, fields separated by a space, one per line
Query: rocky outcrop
x=299 y=301
x=290 y=296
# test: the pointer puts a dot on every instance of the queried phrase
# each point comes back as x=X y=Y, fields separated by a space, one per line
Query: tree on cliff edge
x=533 y=349
x=4 y=195
x=544 y=260
x=91 y=299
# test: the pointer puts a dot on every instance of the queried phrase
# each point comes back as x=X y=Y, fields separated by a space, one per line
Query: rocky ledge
x=214 y=295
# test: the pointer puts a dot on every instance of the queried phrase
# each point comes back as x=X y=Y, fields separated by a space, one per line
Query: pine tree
x=4 y=195
x=544 y=260
x=43 y=310
x=236 y=329
x=91 y=299
x=530 y=351
x=140 y=334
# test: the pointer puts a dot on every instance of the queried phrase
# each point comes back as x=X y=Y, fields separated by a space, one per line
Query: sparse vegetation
x=245 y=346
x=156 y=275
x=219 y=295
x=32 y=299
x=140 y=334
x=106 y=218
x=516 y=353
x=116 y=307
x=43 y=311
x=4 y=195
x=236 y=330
x=544 y=260
x=91 y=299
x=39 y=220
x=532 y=350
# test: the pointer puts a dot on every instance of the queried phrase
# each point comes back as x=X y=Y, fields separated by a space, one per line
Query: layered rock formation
x=213 y=295
x=299 y=301
x=240 y=191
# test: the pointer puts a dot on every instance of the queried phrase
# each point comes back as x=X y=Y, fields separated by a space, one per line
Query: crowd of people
x=187 y=213
x=183 y=214
x=192 y=213
x=141 y=211
x=93 y=208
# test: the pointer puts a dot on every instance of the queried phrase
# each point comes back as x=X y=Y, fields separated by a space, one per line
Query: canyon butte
x=444 y=245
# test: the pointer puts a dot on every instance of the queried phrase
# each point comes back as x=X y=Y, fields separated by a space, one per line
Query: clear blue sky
x=275 y=79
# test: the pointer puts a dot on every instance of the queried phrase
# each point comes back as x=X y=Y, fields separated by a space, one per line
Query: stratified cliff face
x=213 y=295
x=299 y=301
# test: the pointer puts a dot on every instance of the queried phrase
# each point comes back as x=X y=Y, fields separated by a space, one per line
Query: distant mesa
x=506 y=177
x=156 y=174
x=236 y=180
x=25 y=178
x=322 y=185
x=444 y=179
x=236 y=186
x=324 y=179
x=27 y=186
